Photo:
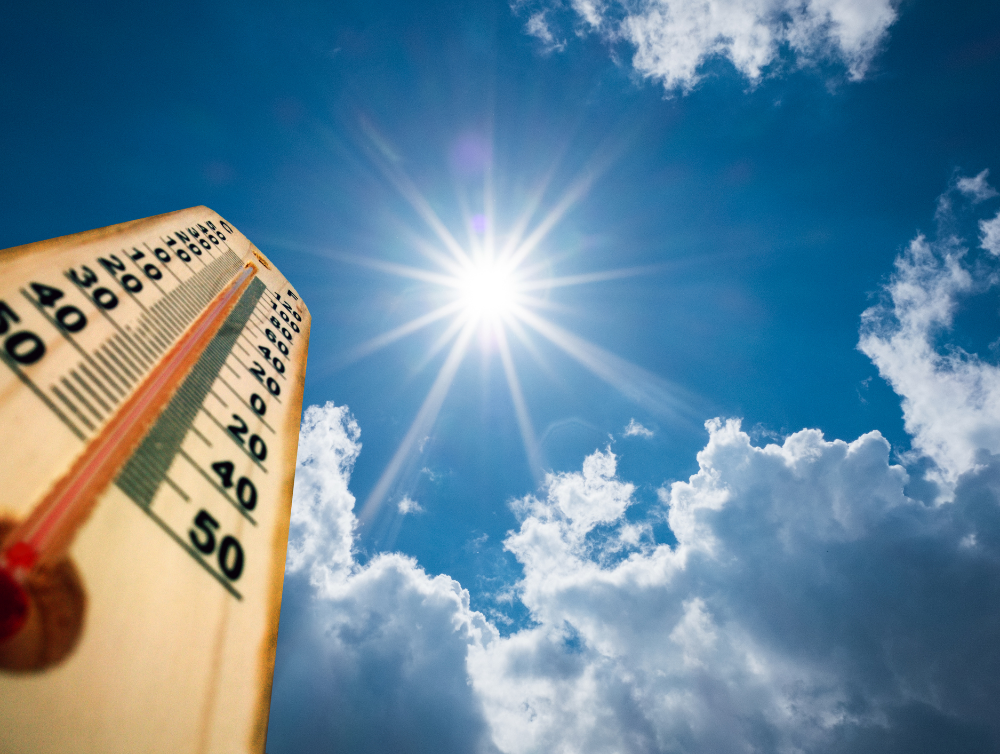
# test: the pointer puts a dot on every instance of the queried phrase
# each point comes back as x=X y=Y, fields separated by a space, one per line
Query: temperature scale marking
x=154 y=367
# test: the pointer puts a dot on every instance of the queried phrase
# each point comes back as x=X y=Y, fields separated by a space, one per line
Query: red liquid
x=13 y=605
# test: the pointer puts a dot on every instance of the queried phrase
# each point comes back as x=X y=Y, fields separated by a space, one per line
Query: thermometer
x=150 y=396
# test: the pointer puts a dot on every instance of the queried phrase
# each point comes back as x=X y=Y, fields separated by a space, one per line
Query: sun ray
x=413 y=196
x=381 y=341
x=420 y=427
x=427 y=214
x=599 y=162
x=533 y=203
x=577 y=189
x=472 y=250
x=520 y=227
x=569 y=198
x=430 y=251
x=489 y=211
x=457 y=324
x=640 y=385
x=531 y=347
x=393 y=268
x=591 y=277
x=542 y=303
x=531 y=448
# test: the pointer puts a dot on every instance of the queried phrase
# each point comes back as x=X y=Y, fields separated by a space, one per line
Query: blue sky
x=797 y=193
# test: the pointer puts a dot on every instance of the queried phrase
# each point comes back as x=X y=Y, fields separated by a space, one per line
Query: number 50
x=230 y=551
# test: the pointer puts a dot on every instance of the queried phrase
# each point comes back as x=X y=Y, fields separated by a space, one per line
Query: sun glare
x=496 y=286
x=487 y=290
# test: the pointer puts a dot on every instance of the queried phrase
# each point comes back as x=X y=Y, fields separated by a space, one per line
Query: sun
x=495 y=285
x=487 y=290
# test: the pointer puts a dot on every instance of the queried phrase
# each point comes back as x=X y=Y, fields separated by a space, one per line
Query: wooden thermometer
x=150 y=395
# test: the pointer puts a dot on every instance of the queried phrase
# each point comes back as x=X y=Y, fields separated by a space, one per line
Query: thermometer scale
x=150 y=396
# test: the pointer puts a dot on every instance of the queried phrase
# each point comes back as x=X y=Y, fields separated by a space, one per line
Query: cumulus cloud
x=378 y=665
x=804 y=603
x=635 y=429
x=673 y=39
x=371 y=658
x=808 y=605
x=321 y=534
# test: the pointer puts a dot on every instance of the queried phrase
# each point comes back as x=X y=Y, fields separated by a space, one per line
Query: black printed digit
x=225 y=471
x=239 y=429
x=204 y=525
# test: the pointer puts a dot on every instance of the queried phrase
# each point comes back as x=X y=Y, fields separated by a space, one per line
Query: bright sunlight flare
x=497 y=284
x=487 y=289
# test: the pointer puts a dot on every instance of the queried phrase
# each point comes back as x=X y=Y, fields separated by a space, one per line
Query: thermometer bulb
x=14 y=605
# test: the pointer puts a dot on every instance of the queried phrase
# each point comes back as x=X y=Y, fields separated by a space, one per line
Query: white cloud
x=793 y=613
x=590 y=11
x=673 y=39
x=409 y=505
x=370 y=658
x=951 y=398
x=656 y=662
x=377 y=664
x=976 y=187
x=321 y=534
x=989 y=238
x=538 y=27
x=635 y=429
